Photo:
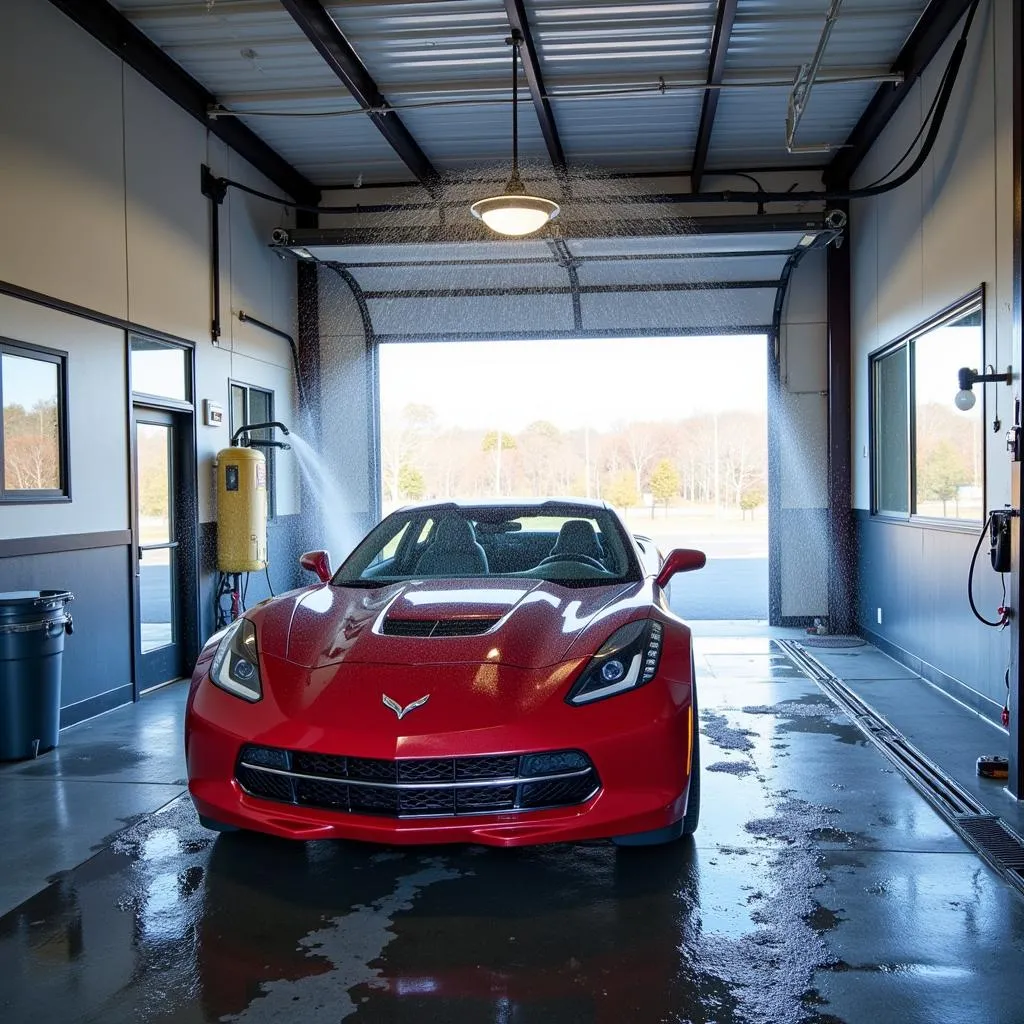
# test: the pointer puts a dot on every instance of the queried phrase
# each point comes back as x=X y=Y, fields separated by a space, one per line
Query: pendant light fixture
x=514 y=212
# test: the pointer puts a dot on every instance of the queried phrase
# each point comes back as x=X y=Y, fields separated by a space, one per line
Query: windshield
x=559 y=542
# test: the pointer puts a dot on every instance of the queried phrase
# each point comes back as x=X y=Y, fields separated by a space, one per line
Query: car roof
x=512 y=503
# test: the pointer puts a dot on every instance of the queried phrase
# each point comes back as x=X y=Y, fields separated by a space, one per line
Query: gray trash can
x=32 y=628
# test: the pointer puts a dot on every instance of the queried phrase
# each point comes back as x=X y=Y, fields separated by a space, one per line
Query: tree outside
x=941 y=472
x=621 y=491
x=665 y=483
x=752 y=497
x=410 y=482
x=31 y=447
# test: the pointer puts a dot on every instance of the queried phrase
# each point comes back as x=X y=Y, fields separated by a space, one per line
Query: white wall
x=803 y=442
x=100 y=205
x=920 y=248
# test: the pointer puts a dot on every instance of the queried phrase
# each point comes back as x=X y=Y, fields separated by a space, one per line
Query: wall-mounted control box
x=213 y=413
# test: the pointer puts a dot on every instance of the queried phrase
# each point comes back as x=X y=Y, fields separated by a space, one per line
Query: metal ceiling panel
x=651 y=132
x=453 y=44
x=750 y=129
x=331 y=150
x=444 y=65
x=785 y=33
x=469 y=137
x=667 y=38
x=233 y=47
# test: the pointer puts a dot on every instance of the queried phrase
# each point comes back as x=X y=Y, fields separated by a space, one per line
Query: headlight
x=627 y=659
x=236 y=666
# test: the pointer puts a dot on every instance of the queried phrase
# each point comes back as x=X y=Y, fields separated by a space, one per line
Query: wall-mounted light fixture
x=514 y=212
x=968 y=378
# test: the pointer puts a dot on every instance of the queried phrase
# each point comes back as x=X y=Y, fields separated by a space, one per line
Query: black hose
x=270 y=586
x=926 y=121
x=271 y=329
x=970 y=580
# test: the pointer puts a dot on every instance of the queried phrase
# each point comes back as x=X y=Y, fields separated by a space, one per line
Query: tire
x=692 y=816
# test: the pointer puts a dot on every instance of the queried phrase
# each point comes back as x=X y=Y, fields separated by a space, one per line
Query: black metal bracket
x=211 y=186
x=968 y=377
x=215 y=189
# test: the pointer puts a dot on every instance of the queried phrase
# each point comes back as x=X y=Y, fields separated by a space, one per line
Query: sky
x=947 y=348
x=27 y=381
x=595 y=383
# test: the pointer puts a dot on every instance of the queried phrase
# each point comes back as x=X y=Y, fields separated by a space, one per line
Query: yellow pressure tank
x=241 y=510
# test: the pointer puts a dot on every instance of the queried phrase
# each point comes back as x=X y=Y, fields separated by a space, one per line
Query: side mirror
x=318 y=562
x=680 y=560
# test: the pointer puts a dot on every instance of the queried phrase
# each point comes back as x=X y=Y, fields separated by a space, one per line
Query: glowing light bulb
x=964 y=400
x=515 y=215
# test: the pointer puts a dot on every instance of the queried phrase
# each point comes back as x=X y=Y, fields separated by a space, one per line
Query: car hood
x=523 y=623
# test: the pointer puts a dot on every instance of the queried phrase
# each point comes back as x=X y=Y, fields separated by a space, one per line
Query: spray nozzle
x=249 y=427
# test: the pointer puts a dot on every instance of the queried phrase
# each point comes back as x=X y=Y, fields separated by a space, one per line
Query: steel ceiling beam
x=519 y=23
x=932 y=30
x=606 y=228
x=322 y=31
x=716 y=69
x=111 y=28
x=512 y=261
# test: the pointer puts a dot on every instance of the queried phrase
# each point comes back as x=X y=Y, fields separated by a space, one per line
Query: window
x=573 y=545
x=33 y=434
x=254 y=405
x=159 y=369
x=928 y=455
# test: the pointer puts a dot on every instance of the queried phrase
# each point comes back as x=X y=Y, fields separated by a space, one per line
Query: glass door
x=158 y=565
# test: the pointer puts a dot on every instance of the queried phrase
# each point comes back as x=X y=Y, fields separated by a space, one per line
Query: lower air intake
x=419 y=787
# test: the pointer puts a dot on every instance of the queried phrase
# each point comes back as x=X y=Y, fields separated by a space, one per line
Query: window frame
x=269 y=453
x=961 y=307
x=165 y=401
x=49 y=496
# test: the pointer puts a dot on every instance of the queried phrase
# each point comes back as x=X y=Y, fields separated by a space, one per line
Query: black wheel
x=692 y=815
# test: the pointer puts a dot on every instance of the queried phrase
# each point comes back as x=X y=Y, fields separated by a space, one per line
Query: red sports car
x=490 y=673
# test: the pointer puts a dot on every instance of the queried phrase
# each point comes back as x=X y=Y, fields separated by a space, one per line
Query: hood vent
x=437 y=627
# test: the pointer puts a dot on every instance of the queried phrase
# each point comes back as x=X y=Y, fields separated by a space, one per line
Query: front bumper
x=638 y=743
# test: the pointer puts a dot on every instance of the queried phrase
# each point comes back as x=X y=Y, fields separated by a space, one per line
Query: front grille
x=437 y=627
x=419 y=787
x=265 y=784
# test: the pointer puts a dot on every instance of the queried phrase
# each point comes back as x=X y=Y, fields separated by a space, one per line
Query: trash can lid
x=31 y=598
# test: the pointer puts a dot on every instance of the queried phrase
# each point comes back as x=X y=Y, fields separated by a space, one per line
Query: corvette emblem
x=398 y=709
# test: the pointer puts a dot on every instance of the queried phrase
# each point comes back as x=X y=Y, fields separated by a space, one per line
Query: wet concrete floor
x=820 y=888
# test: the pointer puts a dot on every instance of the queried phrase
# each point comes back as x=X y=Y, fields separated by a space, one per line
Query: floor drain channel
x=985 y=832
x=995 y=838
